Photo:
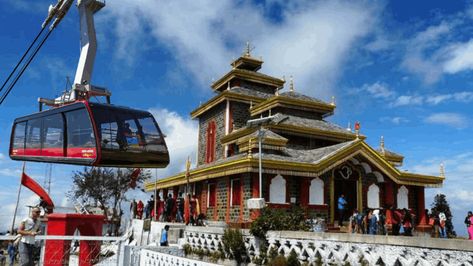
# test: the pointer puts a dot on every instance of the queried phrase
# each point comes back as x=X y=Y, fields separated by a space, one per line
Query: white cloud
x=450 y=119
x=182 y=136
x=460 y=58
x=395 y=120
x=416 y=59
x=407 y=100
x=378 y=90
x=311 y=42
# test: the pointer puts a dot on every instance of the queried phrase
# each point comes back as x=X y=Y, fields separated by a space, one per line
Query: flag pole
x=155 y=194
x=18 y=198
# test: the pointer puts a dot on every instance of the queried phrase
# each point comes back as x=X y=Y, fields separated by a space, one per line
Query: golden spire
x=249 y=149
x=381 y=144
x=247 y=50
x=291 y=85
x=442 y=170
x=333 y=101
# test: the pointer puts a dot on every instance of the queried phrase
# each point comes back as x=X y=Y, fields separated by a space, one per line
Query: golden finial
x=277 y=91
x=442 y=170
x=249 y=149
x=381 y=144
x=247 y=52
x=188 y=164
x=228 y=86
x=333 y=101
x=291 y=85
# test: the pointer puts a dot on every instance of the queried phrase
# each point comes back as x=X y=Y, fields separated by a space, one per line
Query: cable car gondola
x=87 y=133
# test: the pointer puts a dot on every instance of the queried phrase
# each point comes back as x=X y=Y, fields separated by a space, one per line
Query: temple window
x=403 y=198
x=211 y=195
x=277 y=190
x=316 y=192
x=235 y=194
x=373 y=196
x=210 y=143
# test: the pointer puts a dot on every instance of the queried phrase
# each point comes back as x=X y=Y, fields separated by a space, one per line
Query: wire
x=23 y=57
x=5 y=94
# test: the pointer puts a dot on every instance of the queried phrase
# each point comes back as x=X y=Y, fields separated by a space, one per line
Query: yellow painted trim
x=284 y=101
x=248 y=164
x=247 y=76
x=221 y=97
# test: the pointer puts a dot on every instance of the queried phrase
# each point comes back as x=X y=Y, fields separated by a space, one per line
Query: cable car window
x=79 y=129
x=150 y=133
x=129 y=137
x=109 y=135
x=19 y=136
x=53 y=131
x=33 y=134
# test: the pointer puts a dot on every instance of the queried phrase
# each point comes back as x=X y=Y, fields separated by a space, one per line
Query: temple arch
x=277 y=190
x=403 y=198
x=373 y=196
x=316 y=192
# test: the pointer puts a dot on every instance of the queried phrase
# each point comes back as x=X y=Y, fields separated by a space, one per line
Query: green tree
x=104 y=187
x=439 y=205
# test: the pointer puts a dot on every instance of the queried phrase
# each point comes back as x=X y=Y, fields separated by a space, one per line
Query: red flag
x=133 y=177
x=36 y=188
x=357 y=125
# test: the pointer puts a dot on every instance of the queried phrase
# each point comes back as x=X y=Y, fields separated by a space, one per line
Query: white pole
x=260 y=136
x=17 y=199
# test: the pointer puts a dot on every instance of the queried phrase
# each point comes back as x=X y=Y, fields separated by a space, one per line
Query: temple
x=306 y=160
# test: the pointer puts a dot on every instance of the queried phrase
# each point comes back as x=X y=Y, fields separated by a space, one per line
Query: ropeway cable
x=17 y=77
x=22 y=58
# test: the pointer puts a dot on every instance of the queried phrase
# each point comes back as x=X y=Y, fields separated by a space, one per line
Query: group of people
x=168 y=209
x=374 y=222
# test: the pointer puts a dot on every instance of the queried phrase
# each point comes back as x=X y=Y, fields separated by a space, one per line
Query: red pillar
x=421 y=206
x=422 y=226
x=304 y=191
x=388 y=194
x=57 y=251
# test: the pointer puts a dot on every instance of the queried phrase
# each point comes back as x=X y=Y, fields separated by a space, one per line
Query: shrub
x=234 y=245
x=215 y=256
x=187 y=249
x=293 y=259
x=293 y=219
x=273 y=253
x=279 y=260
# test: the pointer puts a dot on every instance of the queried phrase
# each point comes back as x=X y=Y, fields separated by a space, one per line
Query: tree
x=439 y=205
x=105 y=187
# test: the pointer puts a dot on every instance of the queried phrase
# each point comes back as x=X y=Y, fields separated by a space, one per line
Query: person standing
x=169 y=207
x=28 y=229
x=11 y=250
x=469 y=225
x=342 y=203
x=139 y=209
x=407 y=223
x=133 y=209
x=442 y=229
x=164 y=236
x=180 y=209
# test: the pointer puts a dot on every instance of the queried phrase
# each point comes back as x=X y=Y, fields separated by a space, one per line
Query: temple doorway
x=346 y=183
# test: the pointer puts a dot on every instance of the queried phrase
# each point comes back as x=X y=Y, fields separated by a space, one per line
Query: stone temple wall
x=346 y=249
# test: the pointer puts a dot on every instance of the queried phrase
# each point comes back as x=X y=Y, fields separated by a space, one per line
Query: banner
x=36 y=188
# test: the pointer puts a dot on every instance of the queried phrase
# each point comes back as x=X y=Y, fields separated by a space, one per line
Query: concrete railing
x=340 y=249
x=155 y=258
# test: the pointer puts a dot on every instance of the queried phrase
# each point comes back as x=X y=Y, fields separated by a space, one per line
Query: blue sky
x=401 y=68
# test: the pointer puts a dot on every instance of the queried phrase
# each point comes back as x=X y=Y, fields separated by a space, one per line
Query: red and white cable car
x=77 y=131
